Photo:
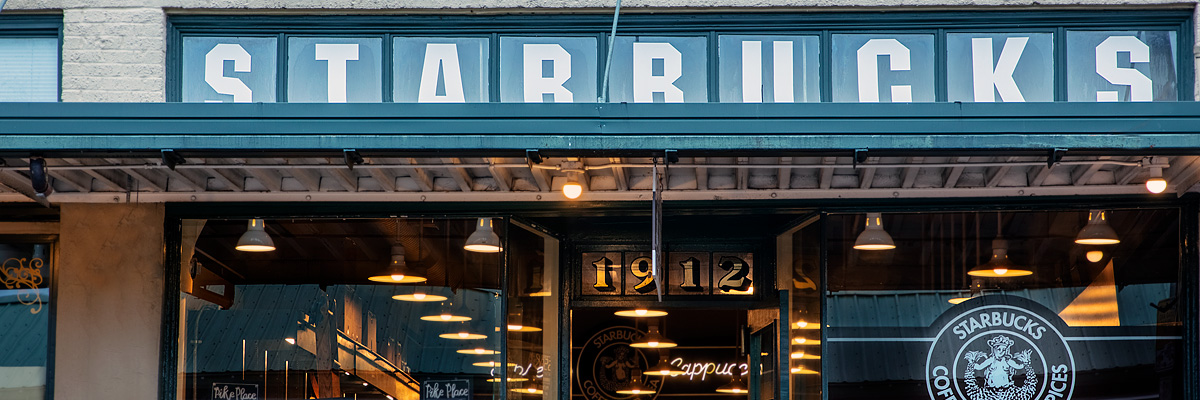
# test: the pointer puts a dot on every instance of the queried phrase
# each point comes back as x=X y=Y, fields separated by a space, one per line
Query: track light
x=484 y=239
x=256 y=238
x=1097 y=231
x=874 y=237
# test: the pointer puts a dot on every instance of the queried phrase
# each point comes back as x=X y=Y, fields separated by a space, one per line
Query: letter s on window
x=1140 y=86
x=214 y=72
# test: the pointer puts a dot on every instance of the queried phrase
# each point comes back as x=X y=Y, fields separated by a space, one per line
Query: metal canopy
x=477 y=152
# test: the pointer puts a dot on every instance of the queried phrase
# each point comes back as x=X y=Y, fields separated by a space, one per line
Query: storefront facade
x=389 y=217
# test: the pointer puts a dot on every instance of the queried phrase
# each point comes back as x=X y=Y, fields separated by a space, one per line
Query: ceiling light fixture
x=874 y=237
x=635 y=386
x=1094 y=255
x=641 y=313
x=256 y=238
x=478 y=351
x=572 y=189
x=999 y=266
x=484 y=239
x=1156 y=184
x=463 y=335
x=419 y=295
x=1097 y=231
x=397 y=270
x=653 y=340
x=446 y=316
x=664 y=367
x=736 y=386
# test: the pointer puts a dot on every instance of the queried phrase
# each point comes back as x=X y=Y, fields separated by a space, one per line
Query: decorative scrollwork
x=25 y=275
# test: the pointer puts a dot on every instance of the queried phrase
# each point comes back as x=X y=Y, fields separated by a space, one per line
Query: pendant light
x=975 y=290
x=653 y=340
x=447 y=315
x=1097 y=231
x=510 y=379
x=516 y=320
x=478 y=351
x=874 y=237
x=484 y=239
x=529 y=388
x=256 y=238
x=800 y=370
x=462 y=335
x=397 y=270
x=635 y=386
x=802 y=341
x=736 y=386
x=664 y=367
x=999 y=266
x=802 y=355
x=641 y=312
x=419 y=294
x=490 y=364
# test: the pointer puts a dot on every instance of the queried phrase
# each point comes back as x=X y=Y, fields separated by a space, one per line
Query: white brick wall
x=114 y=55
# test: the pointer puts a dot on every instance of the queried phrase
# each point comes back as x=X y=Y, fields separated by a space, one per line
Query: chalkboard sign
x=446 y=389
x=234 y=391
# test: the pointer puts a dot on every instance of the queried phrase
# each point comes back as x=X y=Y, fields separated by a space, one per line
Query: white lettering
x=868 y=69
x=443 y=57
x=1140 y=86
x=337 y=55
x=645 y=83
x=536 y=82
x=214 y=72
x=752 y=86
x=1001 y=78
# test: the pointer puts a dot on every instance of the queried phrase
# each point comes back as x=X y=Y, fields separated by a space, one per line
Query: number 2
x=736 y=278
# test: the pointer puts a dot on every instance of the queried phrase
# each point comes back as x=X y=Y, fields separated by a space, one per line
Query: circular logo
x=999 y=352
x=613 y=363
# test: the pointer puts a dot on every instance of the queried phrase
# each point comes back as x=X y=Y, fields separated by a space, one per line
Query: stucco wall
x=109 y=306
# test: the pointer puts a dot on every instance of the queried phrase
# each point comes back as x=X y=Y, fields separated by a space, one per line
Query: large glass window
x=397 y=308
x=1014 y=305
x=25 y=316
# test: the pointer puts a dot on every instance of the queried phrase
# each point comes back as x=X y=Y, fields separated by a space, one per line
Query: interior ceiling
x=606 y=178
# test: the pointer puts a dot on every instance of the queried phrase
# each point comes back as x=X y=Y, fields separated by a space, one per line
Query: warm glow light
x=572 y=190
x=509 y=380
x=462 y=336
x=446 y=317
x=1156 y=185
x=255 y=248
x=515 y=327
x=491 y=364
x=478 y=351
x=523 y=328
x=641 y=313
x=958 y=300
x=1095 y=255
x=397 y=278
x=419 y=296
x=799 y=340
x=798 y=354
x=801 y=324
x=425 y=297
x=652 y=344
x=1000 y=271
x=290 y=340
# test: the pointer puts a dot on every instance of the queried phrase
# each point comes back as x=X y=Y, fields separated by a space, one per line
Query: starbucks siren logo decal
x=999 y=352
x=612 y=364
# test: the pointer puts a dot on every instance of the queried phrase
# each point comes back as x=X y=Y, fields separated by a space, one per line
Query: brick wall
x=114 y=55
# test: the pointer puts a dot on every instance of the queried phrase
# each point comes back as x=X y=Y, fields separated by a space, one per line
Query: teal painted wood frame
x=706 y=24
x=494 y=129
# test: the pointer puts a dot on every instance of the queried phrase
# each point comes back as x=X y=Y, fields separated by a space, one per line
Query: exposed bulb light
x=1094 y=255
x=290 y=340
x=397 y=270
x=1156 y=184
x=641 y=313
x=1097 y=231
x=478 y=351
x=664 y=367
x=874 y=237
x=999 y=266
x=256 y=238
x=572 y=189
x=484 y=239
x=653 y=340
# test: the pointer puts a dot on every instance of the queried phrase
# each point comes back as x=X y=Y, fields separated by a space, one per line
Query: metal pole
x=612 y=37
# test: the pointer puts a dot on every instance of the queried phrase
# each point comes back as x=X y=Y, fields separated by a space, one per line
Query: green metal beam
x=605 y=128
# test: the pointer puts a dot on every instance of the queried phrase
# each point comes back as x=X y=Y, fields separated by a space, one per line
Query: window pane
x=648 y=69
x=229 y=69
x=533 y=315
x=25 y=316
x=1121 y=66
x=883 y=68
x=28 y=69
x=322 y=316
x=1020 y=67
x=565 y=69
x=440 y=70
x=1008 y=303
x=787 y=69
x=335 y=70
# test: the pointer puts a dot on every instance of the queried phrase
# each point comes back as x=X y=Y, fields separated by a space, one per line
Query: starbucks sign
x=1000 y=352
